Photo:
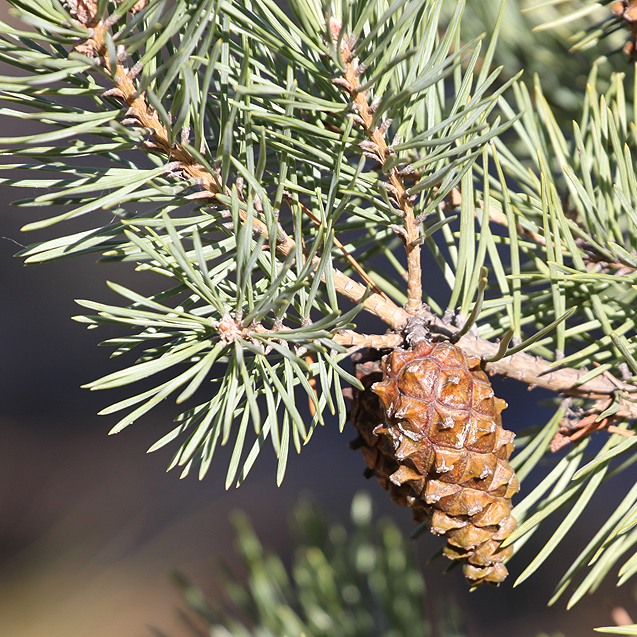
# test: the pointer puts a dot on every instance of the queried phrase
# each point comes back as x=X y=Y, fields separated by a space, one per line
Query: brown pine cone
x=366 y=415
x=627 y=10
x=442 y=450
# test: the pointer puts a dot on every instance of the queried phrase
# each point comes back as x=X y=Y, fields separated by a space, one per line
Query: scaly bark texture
x=434 y=438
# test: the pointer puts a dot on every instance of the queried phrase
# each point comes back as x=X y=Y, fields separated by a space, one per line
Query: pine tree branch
x=534 y=371
x=355 y=341
x=183 y=162
x=602 y=400
x=139 y=112
x=380 y=150
x=395 y=316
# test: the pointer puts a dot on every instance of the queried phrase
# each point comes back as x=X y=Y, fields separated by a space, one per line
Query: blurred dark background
x=91 y=526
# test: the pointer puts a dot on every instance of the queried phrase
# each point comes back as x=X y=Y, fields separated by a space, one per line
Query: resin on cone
x=437 y=444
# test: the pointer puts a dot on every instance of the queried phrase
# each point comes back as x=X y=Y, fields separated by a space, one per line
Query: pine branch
x=182 y=162
x=139 y=112
x=253 y=282
x=381 y=151
x=534 y=371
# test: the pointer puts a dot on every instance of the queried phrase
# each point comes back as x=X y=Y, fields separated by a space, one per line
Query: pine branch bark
x=381 y=151
x=182 y=162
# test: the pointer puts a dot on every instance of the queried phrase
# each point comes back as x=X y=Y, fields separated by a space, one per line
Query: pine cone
x=366 y=415
x=441 y=449
x=627 y=10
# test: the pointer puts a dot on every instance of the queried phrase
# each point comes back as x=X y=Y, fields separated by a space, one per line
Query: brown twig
x=378 y=148
x=538 y=372
x=356 y=341
x=627 y=9
x=309 y=359
x=142 y=113
x=587 y=426
x=571 y=432
x=584 y=427
x=622 y=432
x=532 y=370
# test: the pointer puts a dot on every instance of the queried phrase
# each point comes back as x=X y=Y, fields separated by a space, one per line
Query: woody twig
x=378 y=148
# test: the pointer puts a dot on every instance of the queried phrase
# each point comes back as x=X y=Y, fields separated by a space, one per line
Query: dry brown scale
x=627 y=10
x=430 y=429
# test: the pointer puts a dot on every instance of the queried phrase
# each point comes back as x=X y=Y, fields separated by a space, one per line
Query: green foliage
x=580 y=199
x=618 y=630
x=246 y=94
x=220 y=146
x=356 y=583
x=526 y=44
x=593 y=19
